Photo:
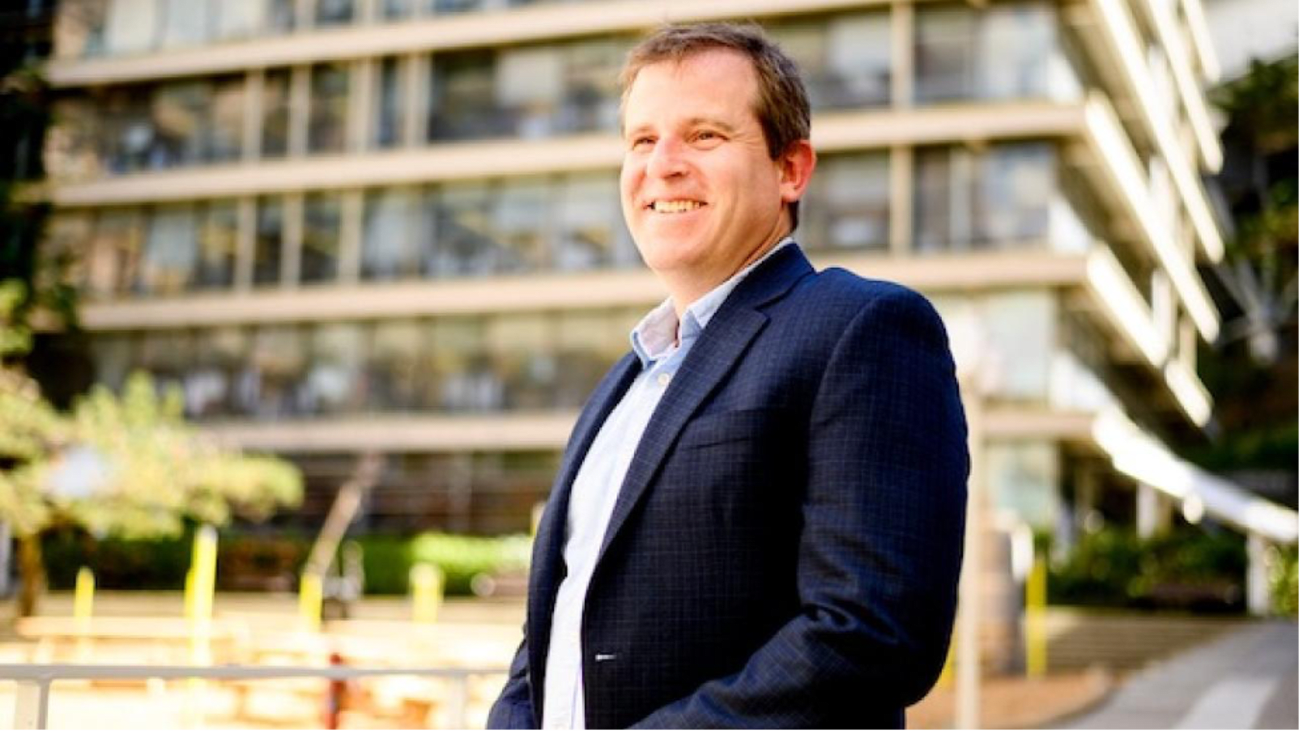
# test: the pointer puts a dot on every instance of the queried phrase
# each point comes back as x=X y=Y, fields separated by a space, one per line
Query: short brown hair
x=782 y=106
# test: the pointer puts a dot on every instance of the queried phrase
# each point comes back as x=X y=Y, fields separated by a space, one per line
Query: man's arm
x=514 y=708
x=880 y=549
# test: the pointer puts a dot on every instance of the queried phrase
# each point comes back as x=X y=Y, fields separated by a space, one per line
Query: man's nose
x=667 y=159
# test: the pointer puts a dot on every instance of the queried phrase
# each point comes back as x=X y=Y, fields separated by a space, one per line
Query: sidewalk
x=1245 y=679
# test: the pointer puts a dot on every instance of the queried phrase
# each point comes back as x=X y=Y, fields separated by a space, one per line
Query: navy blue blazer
x=785 y=549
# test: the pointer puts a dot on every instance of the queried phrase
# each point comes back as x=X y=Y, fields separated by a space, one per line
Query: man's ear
x=796 y=163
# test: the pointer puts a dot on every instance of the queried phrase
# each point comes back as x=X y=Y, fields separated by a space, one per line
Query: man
x=758 y=519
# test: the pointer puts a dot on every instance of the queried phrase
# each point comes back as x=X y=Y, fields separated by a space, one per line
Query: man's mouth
x=677 y=206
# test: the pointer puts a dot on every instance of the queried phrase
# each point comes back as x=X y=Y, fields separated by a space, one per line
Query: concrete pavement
x=1245 y=679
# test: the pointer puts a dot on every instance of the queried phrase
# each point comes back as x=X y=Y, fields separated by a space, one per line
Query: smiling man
x=758 y=520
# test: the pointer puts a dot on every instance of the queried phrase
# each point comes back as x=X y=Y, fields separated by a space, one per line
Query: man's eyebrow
x=720 y=124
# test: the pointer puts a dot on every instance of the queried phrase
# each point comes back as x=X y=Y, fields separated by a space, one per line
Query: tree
x=126 y=464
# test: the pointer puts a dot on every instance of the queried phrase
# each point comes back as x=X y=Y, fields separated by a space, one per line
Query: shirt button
x=665 y=379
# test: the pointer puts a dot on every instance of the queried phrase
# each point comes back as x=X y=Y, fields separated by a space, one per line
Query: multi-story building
x=345 y=226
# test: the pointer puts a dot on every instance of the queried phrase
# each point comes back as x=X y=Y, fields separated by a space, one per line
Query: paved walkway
x=1245 y=679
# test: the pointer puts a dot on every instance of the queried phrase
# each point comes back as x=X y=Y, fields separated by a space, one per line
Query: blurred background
x=335 y=277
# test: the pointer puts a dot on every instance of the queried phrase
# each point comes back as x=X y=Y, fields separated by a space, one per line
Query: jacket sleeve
x=514 y=708
x=880 y=547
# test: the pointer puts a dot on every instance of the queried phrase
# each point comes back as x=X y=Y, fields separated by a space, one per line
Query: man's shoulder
x=841 y=289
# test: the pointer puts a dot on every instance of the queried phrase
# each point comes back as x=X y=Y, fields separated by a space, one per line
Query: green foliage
x=388 y=559
x=1186 y=568
x=274 y=561
x=1283 y=581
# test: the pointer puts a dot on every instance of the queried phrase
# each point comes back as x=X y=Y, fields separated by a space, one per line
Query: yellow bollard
x=83 y=598
x=426 y=592
x=1036 y=620
x=946 y=675
x=200 y=584
x=309 y=601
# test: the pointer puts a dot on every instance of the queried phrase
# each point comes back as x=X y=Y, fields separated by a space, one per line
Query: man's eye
x=641 y=143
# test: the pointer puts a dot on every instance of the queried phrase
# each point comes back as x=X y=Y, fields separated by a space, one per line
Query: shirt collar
x=658 y=333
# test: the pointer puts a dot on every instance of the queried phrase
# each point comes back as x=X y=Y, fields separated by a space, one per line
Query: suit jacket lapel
x=548 y=546
x=708 y=363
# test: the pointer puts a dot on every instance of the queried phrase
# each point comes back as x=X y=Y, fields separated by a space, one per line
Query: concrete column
x=900 y=200
x=350 y=224
x=245 y=240
x=1148 y=509
x=299 y=110
x=1257 y=588
x=254 y=94
x=902 y=48
x=291 y=251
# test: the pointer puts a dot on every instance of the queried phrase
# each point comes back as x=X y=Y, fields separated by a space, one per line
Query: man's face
x=700 y=193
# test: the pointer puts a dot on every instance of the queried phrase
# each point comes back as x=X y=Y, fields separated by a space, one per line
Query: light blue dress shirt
x=661 y=342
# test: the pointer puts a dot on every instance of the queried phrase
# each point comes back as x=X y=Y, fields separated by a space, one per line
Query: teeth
x=675 y=206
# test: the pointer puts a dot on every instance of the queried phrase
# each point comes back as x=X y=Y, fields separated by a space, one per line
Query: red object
x=334 y=698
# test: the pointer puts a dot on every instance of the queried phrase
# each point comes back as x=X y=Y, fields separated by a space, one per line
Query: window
x=463 y=236
x=212 y=380
x=462 y=103
x=333 y=382
x=333 y=12
x=390 y=108
x=218 y=244
x=185 y=23
x=1014 y=193
x=932 y=199
x=171 y=250
x=849 y=208
x=945 y=50
x=131 y=26
x=1005 y=51
x=322 y=213
x=387 y=250
x=240 y=18
x=269 y=387
x=395 y=372
x=275 y=113
x=519 y=214
x=327 y=123
x=269 y=243
x=845 y=59
x=588 y=223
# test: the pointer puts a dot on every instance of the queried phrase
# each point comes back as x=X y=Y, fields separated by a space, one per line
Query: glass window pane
x=269 y=242
x=591 y=96
x=395 y=369
x=115 y=261
x=64 y=258
x=185 y=23
x=945 y=53
x=171 y=250
x=1016 y=44
x=275 y=113
x=529 y=84
x=79 y=28
x=333 y=382
x=587 y=223
x=440 y=7
x=462 y=367
x=333 y=12
x=858 y=64
x=166 y=355
x=114 y=357
x=269 y=388
x=179 y=115
x=390 y=106
x=464 y=243
x=210 y=387
x=851 y=209
x=327 y=124
x=132 y=26
x=386 y=243
x=521 y=347
x=931 y=202
x=218 y=244
x=462 y=98
x=519 y=217
x=224 y=133
x=396 y=9
x=322 y=213
x=1014 y=193
x=240 y=18
x=280 y=17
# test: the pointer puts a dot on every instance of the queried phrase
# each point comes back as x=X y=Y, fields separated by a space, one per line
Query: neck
x=685 y=288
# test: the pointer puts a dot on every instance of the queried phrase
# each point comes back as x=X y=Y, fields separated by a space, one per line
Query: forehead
x=717 y=81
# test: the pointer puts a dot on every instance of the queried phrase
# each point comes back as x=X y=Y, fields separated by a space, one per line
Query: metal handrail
x=31 y=709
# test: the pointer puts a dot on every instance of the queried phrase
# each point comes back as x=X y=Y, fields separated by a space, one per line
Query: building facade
x=344 y=226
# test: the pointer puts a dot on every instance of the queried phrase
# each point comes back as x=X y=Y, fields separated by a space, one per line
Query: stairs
x=1079 y=639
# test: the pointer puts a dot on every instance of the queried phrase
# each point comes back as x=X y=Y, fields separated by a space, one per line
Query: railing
x=31 y=710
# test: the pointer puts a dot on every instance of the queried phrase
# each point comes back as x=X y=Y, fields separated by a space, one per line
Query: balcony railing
x=31 y=709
